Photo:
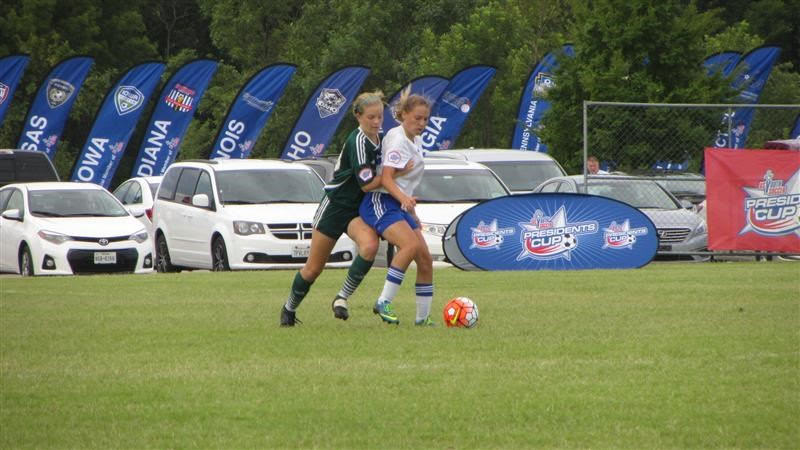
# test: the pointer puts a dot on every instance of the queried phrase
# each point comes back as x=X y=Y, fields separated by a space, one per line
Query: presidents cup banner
x=551 y=232
x=11 y=70
x=324 y=110
x=51 y=106
x=250 y=111
x=454 y=105
x=753 y=199
x=174 y=110
x=428 y=86
x=114 y=124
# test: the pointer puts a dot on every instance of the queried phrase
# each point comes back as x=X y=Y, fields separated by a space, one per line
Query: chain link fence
x=644 y=150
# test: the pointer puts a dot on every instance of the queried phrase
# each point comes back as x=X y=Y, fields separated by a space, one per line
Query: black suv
x=21 y=166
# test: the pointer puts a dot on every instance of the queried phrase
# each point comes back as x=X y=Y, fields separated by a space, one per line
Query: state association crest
x=329 y=102
x=180 y=98
x=58 y=92
x=3 y=92
x=128 y=99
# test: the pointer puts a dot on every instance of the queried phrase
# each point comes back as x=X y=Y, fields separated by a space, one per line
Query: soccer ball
x=461 y=312
x=569 y=241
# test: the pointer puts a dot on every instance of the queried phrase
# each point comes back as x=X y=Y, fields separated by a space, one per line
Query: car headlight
x=435 y=229
x=247 y=228
x=52 y=236
x=140 y=236
x=701 y=228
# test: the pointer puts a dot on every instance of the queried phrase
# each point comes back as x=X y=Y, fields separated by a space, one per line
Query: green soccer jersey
x=355 y=168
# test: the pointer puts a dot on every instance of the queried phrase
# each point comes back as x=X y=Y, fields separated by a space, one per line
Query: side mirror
x=12 y=214
x=137 y=212
x=200 y=200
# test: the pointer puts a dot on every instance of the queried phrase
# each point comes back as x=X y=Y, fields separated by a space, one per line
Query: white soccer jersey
x=397 y=151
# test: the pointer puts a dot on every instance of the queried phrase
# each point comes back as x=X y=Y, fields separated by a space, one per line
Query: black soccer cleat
x=339 y=307
x=288 y=318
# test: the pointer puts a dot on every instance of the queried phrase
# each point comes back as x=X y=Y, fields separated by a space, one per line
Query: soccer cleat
x=339 y=306
x=426 y=322
x=386 y=311
x=288 y=318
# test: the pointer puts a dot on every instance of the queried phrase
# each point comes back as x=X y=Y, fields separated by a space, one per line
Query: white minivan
x=238 y=214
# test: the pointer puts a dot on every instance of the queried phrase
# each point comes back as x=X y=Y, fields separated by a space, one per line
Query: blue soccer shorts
x=380 y=210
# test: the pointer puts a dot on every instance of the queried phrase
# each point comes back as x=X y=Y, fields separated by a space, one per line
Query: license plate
x=300 y=251
x=664 y=248
x=105 y=257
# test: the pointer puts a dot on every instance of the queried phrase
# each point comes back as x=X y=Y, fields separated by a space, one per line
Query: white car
x=61 y=228
x=137 y=195
x=239 y=214
x=448 y=188
x=520 y=170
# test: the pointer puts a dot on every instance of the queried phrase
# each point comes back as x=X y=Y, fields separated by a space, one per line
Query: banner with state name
x=11 y=70
x=753 y=199
x=454 y=105
x=323 y=112
x=722 y=63
x=50 y=108
x=753 y=73
x=533 y=103
x=114 y=124
x=428 y=86
x=174 y=110
x=250 y=111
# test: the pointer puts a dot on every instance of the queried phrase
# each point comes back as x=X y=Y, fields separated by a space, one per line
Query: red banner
x=753 y=199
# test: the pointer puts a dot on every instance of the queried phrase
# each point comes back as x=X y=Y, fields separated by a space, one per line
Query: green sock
x=300 y=288
x=358 y=270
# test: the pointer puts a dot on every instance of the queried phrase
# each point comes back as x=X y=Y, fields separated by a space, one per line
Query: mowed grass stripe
x=671 y=355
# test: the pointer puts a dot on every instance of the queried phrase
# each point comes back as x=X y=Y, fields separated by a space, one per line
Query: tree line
x=399 y=41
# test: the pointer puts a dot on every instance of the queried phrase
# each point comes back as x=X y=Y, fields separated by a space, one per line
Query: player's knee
x=368 y=248
x=310 y=272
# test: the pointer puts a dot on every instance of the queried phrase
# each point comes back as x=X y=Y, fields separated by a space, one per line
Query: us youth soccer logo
x=180 y=98
x=773 y=207
x=58 y=92
x=460 y=103
x=329 y=102
x=257 y=103
x=621 y=235
x=3 y=93
x=551 y=237
x=128 y=99
x=543 y=83
x=489 y=236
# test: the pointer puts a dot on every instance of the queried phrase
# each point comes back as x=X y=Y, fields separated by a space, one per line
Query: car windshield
x=695 y=186
x=256 y=186
x=153 y=188
x=637 y=193
x=453 y=186
x=74 y=203
x=524 y=175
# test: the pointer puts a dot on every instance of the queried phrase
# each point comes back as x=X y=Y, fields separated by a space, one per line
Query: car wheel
x=163 y=262
x=26 y=262
x=219 y=256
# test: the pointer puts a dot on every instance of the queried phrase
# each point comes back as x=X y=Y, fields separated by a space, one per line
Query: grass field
x=668 y=356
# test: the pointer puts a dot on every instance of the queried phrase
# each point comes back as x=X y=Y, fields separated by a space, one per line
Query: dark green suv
x=21 y=166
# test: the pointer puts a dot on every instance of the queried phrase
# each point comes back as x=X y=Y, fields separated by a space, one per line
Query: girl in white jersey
x=390 y=208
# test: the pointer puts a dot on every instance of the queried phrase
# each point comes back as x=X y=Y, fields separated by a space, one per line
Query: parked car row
x=258 y=214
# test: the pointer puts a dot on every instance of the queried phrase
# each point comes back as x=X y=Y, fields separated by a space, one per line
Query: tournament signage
x=754 y=70
x=325 y=108
x=174 y=110
x=250 y=111
x=11 y=70
x=533 y=103
x=753 y=199
x=551 y=232
x=51 y=106
x=722 y=63
x=114 y=124
x=428 y=86
x=454 y=105
x=795 y=134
